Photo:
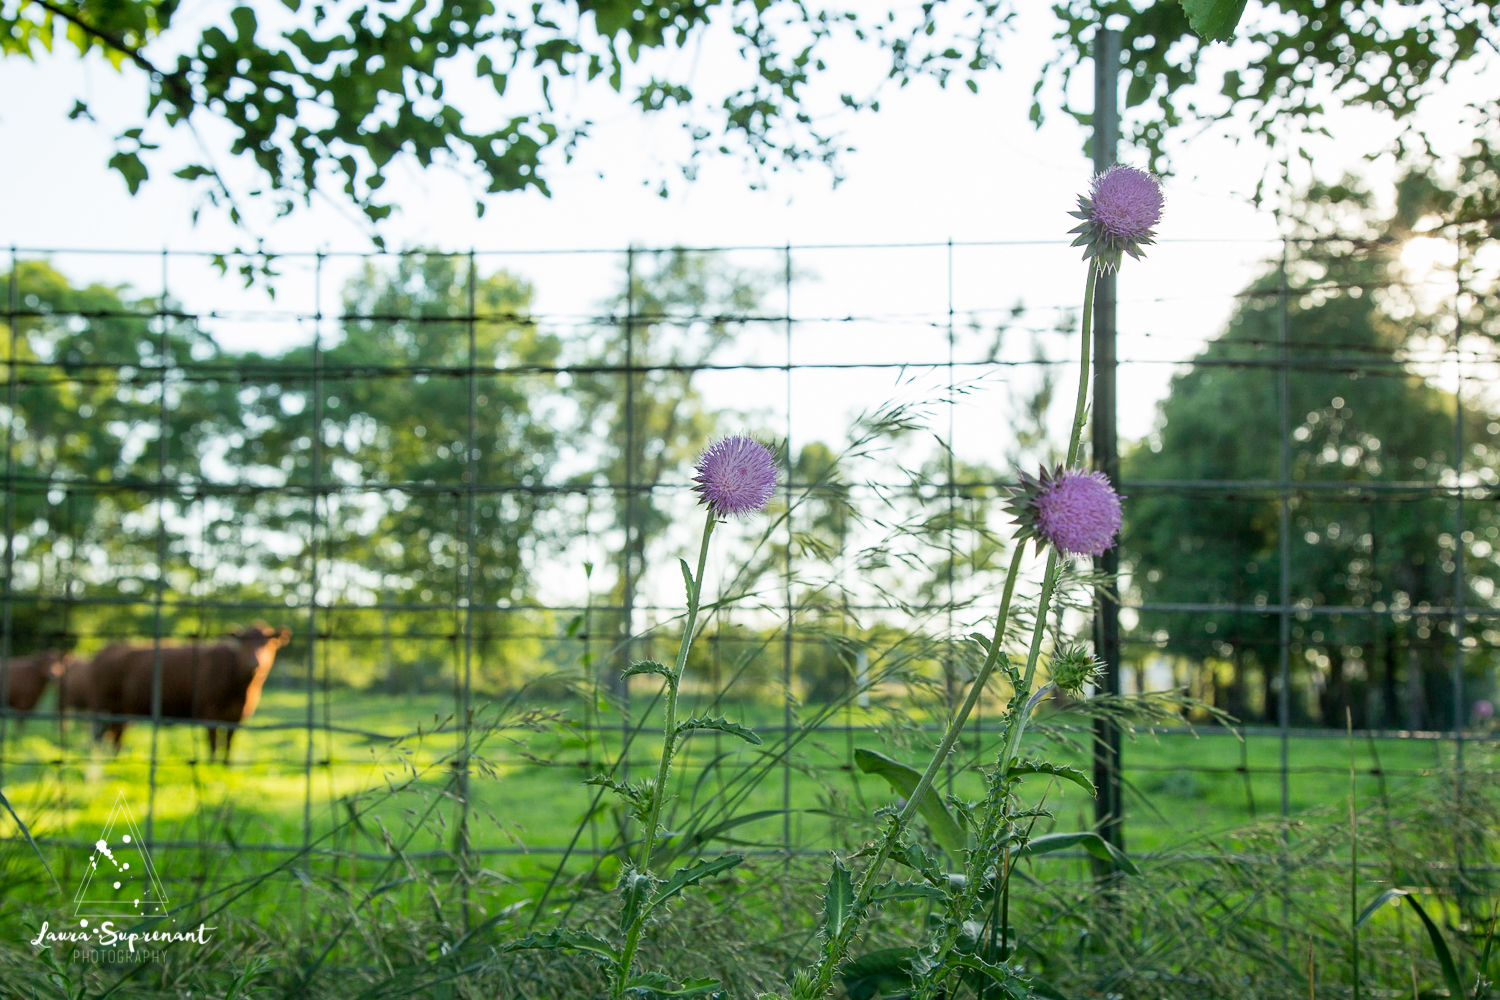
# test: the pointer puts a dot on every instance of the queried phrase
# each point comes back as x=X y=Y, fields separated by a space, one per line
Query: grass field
x=528 y=801
x=386 y=891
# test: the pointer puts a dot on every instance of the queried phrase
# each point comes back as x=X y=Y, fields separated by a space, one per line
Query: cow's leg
x=228 y=738
x=116 y=733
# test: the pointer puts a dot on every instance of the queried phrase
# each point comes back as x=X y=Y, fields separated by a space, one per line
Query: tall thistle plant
x=735 y=478
x=1067 y=511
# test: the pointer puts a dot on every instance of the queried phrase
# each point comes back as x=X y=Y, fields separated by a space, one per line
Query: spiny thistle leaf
x=693 y=874
x=902 y=892
x=1056 y=770
x=1089 y=841
x=564 y=940
x=916 y=858
x=838 y=900
x=653 y=985
x=634 y=793
x=648 y=667
x=721 y=725
x=1004 y=982
x=635 y=891
x=878 y=973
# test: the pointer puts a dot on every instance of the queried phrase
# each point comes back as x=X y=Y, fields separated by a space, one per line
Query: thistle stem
x=837 y=947
x=1016 y=726
x=668 y=749
x=834 y=953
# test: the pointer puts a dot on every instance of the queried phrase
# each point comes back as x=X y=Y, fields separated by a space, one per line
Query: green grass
x=1201 y=916
x=528 y=792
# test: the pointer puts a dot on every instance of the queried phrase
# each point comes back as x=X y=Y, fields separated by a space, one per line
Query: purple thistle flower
x=1077 y=511
x=1080 y=514
x=1119 y=215
x=736 y=476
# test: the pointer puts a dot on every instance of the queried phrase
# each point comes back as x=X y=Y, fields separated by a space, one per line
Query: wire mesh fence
x=459 y=481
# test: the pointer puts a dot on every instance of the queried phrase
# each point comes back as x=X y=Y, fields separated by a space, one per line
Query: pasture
x=528 y=798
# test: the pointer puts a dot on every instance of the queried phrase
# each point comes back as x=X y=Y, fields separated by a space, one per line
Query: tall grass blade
x=1439 y=943
x=27 y=834
x=904 y=779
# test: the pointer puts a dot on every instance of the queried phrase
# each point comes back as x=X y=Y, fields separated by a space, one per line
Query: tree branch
x=118 y=44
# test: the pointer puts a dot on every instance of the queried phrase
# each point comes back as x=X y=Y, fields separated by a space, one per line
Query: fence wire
x=308 y=465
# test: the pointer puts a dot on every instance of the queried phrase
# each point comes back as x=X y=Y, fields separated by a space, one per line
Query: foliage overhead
x=1293 y=61
x=326 y=97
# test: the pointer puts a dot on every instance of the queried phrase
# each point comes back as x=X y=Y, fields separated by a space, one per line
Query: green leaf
x=1056 y=770
x=635 y=898
x=1378 y=902
x=634 y=794
x=877 y=973
x=1045 y=990
x=721 y=725
x=648 y=667
x=1086 y=839
x=718 y=829
x=945 y=829
x=27 y=834
x=693 y=874
x=564 y=940
x=917 y=859
x=902 y=892
x=687 y=578
x=651 y=985
x=192 y=173
x=1439 y=943
x=1007 y=982
x=131 y=168
x=1214 y=20
x=838 y=900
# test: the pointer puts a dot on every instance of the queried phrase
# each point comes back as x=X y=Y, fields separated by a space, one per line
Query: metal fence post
x=1109 y=813
x=1284 y=532
x=786 y=658
x=628 y=566
x=161 y=553
x=1459 y=585
x=951 y=684
x=13 y=301
x=471 y=476
x=312 y=545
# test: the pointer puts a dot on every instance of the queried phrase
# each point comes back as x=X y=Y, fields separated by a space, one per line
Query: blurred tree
x=392 y=428
x=642 y=414
x=1359 y=414
x=85 y=439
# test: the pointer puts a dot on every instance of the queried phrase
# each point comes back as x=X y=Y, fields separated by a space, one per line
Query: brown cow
x=28 y=677
x=73 y=685
x=215 y=683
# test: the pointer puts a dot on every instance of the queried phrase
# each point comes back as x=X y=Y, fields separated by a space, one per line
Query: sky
x=875 y=281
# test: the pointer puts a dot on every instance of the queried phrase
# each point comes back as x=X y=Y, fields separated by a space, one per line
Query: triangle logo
x=120 y=880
